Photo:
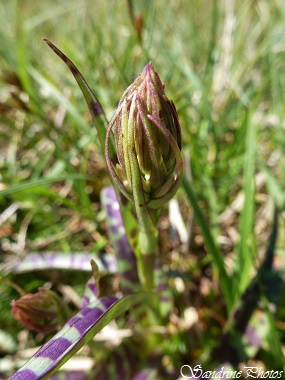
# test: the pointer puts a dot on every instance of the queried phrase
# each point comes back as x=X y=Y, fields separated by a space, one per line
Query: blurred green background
x=223 y=64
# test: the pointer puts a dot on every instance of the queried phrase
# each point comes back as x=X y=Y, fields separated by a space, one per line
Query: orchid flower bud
x=147 y=138
x=42 y=311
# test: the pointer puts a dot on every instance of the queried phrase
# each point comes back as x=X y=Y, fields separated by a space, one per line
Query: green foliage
x=223 y=65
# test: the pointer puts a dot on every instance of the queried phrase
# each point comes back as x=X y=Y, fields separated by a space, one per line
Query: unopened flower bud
x=148 y=142
x=42 y=311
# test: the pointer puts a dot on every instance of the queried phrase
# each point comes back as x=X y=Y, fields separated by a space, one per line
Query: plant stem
x=145 y=270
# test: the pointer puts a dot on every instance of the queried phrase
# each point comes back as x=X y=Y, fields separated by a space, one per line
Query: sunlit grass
x=223 y=64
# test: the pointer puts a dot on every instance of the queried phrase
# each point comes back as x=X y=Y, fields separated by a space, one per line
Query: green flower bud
x=147 y=138
x=42 y=311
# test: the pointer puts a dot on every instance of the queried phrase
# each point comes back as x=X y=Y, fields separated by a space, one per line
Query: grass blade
x=39 y=182
x=245 y=259
x=213 y=250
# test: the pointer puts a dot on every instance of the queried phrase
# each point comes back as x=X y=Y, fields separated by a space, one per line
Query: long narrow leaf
x=78 y=331
x=275 y=188
x=246 y=251
x=38 y=182
x=95 y=108
x=92 y=288
x=56 y=260
x=213 y=250
x=125 y=256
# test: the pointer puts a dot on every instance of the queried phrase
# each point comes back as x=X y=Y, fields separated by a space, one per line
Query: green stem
x=147 y=232
x=145 y=271
x=146 y=255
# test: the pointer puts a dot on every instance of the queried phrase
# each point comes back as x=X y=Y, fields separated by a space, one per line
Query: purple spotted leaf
x=79 y=330
x=127 y=267
x=58 y=260
x=126 y=258
x=92 y=289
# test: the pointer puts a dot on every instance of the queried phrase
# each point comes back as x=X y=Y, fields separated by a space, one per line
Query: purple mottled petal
x=58 y=346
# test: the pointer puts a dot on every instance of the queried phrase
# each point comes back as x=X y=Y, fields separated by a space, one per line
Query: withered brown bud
x=42 y=311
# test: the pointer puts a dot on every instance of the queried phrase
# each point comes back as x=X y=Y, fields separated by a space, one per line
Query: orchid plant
x=142 y=146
